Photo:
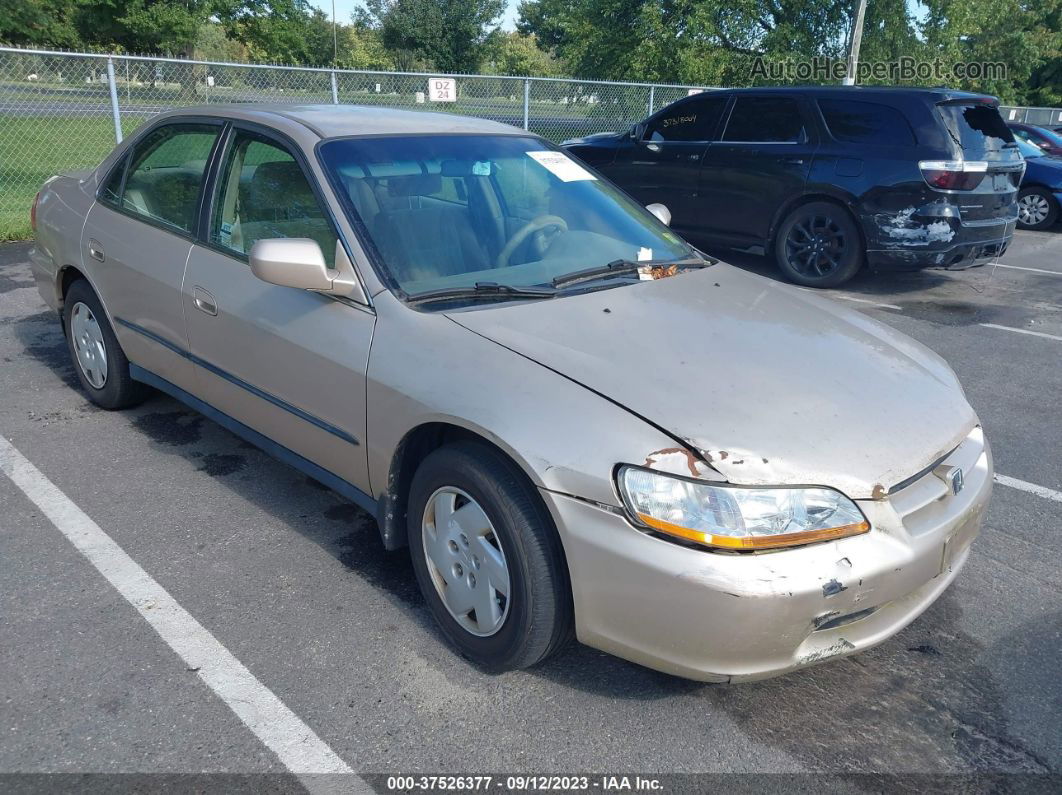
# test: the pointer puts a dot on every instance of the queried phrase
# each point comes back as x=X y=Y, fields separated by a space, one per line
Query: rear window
x=977 y=128
x=865 y=123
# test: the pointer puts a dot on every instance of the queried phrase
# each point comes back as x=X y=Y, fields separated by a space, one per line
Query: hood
x=594 y=138
x=1047 y=168
x=770 y=384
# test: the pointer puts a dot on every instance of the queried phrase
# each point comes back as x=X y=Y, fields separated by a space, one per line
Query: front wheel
x=487 y=558
x=818 y=245
x=1037 y=209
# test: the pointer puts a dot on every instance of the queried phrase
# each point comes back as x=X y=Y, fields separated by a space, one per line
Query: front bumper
x=742 y=616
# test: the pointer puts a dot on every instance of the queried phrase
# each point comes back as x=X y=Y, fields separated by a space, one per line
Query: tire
x=1037 y=209
x=100 y=365
x=818 y=245
x=533 y=618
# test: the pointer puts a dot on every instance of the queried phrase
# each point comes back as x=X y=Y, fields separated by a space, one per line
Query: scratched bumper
x=965 y=246
x=730 y=617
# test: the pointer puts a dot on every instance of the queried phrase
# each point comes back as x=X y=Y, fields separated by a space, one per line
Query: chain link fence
x=64 y=111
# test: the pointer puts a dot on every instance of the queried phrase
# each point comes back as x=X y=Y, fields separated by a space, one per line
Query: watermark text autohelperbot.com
x=902 y=70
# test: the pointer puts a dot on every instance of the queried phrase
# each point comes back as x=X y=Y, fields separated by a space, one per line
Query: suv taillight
x=953 y=174
x=33 y=212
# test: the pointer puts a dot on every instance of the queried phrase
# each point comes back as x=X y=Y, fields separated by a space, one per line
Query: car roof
x=933 y=94
x=332 y=121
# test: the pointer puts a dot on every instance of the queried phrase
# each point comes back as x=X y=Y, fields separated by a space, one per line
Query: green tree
x=212 y=44
x=448 y=35
x=39 y=23
x=513 y=53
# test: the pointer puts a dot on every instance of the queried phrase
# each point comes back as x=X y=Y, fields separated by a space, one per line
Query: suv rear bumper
x=939 y=243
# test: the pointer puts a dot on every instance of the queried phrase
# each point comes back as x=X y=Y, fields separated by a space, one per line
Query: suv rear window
x=977 y=128
x=865 y=123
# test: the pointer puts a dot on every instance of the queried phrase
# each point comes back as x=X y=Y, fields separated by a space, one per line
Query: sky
x=344 y=8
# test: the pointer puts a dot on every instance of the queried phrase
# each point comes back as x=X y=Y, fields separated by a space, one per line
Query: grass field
x=33 y=148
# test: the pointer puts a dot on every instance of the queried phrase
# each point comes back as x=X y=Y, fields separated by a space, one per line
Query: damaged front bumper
x=934 y=237
x=725 y=617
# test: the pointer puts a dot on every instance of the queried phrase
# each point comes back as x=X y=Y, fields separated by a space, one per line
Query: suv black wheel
x=98 y=359
x=818 y=245
x=488 y=558
x=1037 y=209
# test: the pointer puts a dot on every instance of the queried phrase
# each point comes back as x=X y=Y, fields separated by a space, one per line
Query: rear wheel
x=818 y=245
x=1037 y=209
x=98 y=359
x=487 y=558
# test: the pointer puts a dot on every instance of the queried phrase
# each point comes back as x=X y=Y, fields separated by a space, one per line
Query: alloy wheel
x=816 y=246
x=89 y=345
x=1033 y=209
x=466 y=561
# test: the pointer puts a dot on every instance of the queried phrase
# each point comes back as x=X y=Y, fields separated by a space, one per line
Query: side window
x=111 y=192
x=166 y=172
x=865 y=122
x=263 y=194
x=695 y=120
x=765 y=120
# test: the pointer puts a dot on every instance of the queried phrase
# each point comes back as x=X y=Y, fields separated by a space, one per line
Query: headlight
x=736 y=517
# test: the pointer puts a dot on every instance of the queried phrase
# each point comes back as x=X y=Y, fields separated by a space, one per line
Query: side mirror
x=291 y=262
x=661 y=212
x=638 y=131
x=299 y=262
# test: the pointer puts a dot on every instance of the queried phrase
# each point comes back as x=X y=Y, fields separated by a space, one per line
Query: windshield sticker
x=561 y=166
x=481 y=168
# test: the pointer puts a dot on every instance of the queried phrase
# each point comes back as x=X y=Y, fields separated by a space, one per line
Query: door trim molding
x=237 y=381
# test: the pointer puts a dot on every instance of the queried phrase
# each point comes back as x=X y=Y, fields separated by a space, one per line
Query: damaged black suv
x=827 y=178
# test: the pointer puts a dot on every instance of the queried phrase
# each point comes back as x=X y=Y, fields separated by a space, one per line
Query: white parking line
x=843 y=297
x=300 y=750
x=1023 y=268
x=865 y=301
x=1032 y=488
x=1023 y=331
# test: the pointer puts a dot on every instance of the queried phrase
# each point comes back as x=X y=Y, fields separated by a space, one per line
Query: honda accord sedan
x=576 y=423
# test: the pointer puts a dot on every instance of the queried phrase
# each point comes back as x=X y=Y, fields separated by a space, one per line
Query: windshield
x=448 y=212
x=977 y=128
x=1028 y=149
x=1049 y=135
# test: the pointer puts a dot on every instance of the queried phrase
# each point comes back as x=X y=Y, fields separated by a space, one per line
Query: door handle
x=96 y=250
x=794 y=161
x=204 y=301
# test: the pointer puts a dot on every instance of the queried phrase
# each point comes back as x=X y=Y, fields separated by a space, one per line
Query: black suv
x=826 y=178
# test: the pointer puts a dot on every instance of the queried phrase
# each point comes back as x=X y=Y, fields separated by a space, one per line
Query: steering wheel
x=532 y=226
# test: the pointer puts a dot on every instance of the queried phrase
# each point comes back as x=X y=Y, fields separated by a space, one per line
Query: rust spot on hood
x=691 y=459
x=879 y=492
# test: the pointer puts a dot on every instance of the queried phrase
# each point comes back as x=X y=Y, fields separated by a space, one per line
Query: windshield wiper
x=480 y=291
x=621 y=266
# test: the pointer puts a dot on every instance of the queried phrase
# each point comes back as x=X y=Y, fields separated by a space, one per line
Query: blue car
x=1040 y=194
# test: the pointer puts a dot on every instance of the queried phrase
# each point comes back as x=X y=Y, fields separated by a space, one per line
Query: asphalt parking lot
x=292 y=581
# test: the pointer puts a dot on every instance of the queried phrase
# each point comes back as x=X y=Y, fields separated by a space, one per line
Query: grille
x=926 y=501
